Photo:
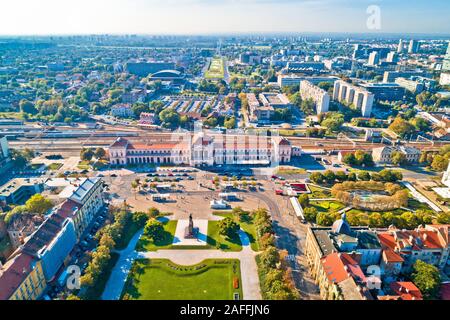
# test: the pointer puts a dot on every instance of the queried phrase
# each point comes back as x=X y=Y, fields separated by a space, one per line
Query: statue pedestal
x=197 y=238
x=190 y=234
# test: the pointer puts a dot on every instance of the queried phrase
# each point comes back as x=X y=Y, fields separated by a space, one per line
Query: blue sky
x=219 y=16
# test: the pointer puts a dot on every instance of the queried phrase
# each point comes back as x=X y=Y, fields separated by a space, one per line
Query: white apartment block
x=320 y=97
x=351 y=94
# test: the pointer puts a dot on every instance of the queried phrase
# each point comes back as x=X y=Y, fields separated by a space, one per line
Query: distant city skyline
x=53 y=17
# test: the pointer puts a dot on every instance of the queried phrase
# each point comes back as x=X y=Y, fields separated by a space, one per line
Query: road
x=291 y=236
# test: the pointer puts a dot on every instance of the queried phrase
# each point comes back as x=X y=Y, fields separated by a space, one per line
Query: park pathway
x=249 y=269
x=118 y=277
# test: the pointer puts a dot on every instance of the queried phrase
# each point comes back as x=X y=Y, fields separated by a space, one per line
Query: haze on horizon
x=44 y=17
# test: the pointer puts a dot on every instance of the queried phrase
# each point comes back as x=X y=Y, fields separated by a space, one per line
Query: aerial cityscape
x=171 y=161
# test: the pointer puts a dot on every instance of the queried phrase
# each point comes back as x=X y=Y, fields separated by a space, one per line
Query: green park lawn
x=55 y=166
x=216 y=69
x=319 y=193
x=165 y=242
x=248 y=227
x=84 y=165
x=326 y=206
x=216 y=240
x=290 y=170
x=161 y=279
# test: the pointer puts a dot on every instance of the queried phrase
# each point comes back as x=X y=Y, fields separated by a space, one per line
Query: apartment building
x=83 y=205
x=22 y=278
x=320 y=97
x=357 y=96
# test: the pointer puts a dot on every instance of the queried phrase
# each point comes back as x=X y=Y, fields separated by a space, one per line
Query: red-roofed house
x=406 y=290
x=429 y=244
x=340 y=278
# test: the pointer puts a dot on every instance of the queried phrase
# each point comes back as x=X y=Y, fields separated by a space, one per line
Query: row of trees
x=438 y=161
x=275 y=273
x=358 y=158
x=109 y=237
x=406 y=220
x=330 y=177
x=397 y=198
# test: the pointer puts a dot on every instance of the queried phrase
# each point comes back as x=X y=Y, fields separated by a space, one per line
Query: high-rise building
x=320 y=97
x=400 y=46
x=392 y=57
x=445 y=75
x=357 y=96
x=413 y=46
x=446 y=65
x=374 y=58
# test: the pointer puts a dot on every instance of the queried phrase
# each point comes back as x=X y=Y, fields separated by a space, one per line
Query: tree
x=317 y=177
x=349 y=159
x=100 y=153
x=440 y=163
x=341 y=176
x=303 y=199
x=153 y=212
x=401 y=127
x=38 y=204
x=154 y=229
x=333 y=121
x=324 y=219
x=329 y=176
x=270 y=257
x=364 y=176
x=169 y=118
x=27 y=107
x=310 y=214
x=86 y=154
x=427 y=278
x=229 y=228
x=398 y=158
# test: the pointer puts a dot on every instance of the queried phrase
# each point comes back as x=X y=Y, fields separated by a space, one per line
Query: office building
x=445 y=75
x=385 y=91
x=383 y=155
x=392 y=57
x=320 y=97
x=400 y=46
x=374 y=58
x=357 y=96
x=413 y=46
x=413 y=86
x=19 y=190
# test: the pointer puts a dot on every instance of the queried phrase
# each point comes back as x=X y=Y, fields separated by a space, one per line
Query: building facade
x=354 y=95
x=204 y=149
x=22 y=278
x=320 y=97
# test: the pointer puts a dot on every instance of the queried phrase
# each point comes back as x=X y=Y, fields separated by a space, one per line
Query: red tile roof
x=406 y=290
x=391 y=256
x=341 y=266
x=14 y=272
